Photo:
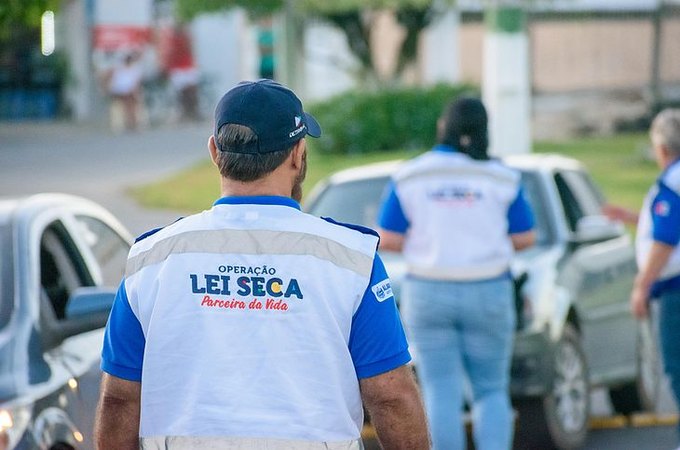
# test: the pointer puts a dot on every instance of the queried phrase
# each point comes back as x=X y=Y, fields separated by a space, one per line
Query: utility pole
x=289 y=48
x=655 y=75
x=506 y=87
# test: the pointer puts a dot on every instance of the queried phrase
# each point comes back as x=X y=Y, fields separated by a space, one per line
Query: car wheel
x=641 y=394
x=559 y=419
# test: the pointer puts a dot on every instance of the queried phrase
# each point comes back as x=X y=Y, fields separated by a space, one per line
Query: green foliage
x=343 y=6
x=188 y=9
x=23 y=13
x=360 y=122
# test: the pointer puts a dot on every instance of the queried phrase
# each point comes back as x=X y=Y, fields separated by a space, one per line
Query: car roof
x=13 y=208
x=543 y=162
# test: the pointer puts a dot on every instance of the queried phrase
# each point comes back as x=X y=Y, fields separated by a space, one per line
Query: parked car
x=62 y=260
x=575 y=330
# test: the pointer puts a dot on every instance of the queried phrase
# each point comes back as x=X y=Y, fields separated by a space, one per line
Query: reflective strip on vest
x=254 y=242
x=227 y=443
x=478 y=272
x=463 y=171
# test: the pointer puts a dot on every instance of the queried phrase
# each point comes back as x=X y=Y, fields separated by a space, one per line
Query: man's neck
x=231 y=188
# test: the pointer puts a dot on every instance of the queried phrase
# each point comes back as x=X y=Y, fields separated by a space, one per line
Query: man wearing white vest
x=253 y=325
x=457 y=215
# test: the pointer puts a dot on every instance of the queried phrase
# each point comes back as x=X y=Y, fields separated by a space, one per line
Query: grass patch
x=619 y=164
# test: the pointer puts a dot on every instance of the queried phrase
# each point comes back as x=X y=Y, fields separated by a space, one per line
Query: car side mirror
x=596 y=228
x=87 y=309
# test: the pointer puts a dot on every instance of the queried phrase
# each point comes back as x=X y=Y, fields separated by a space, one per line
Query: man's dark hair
x=465 y=127
x=239 y=166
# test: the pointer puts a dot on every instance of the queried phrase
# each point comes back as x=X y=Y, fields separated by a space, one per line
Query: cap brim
x=313 y=127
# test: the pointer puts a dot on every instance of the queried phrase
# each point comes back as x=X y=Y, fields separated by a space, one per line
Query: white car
x=62 y=260
x=575 y=330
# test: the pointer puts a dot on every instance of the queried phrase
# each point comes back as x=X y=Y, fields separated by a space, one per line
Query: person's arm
x=118 y=412
x=392 y=222
x=656 y=261
x=380 y=355
x=520 y=241
x=390 y=240
x=117 y=419
x=615 y=212
x=521 y=222
x=396 y=409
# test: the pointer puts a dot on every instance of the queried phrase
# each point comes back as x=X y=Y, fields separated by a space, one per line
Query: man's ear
x=298 y=153
x=212 y=148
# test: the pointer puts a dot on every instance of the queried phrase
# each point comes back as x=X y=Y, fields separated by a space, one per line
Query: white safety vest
x=249 y=277
x=644 y=238
x=457 y=211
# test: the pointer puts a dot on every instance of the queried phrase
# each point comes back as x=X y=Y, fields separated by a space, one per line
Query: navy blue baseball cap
x=272 y=111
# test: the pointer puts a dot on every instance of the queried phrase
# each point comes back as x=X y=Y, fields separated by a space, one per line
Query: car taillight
x=13 y=424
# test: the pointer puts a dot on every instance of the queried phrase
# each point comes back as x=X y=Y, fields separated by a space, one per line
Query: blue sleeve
x=391 y=216
x=666 y=216
x=124 y=341
x=377 y=341
x=520 y=215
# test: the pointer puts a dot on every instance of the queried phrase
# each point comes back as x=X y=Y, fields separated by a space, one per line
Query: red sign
x=116 y=37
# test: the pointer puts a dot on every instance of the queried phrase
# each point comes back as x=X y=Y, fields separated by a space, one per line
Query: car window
x=535 y=197
x=352 y=202
x=6 y=289
x=62 y=268
x=579 y=196
x=108 y=247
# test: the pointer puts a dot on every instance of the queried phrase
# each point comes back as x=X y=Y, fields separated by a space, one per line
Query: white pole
x=441 y=59
x=506 y=81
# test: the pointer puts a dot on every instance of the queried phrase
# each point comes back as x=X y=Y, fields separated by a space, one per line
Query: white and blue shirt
x=456 y=214
x=254 y=320
x=660 y=222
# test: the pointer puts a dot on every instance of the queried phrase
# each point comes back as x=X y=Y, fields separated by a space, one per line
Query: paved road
x=92 y=162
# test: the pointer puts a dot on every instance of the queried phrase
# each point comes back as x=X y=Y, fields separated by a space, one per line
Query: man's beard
x=297 y=184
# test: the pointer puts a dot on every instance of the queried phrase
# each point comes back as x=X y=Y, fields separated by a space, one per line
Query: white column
x=225 y=49
x=74 y=39
x=506 y=81
x=441 y=49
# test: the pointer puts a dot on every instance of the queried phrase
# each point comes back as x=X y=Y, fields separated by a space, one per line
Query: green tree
x=16 y=14
x=355 y=18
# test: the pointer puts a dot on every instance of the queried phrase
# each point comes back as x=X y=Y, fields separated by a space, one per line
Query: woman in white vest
x=253 y=325
x=457 y=216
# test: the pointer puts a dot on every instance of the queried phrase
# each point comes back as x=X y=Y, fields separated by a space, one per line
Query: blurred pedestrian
x=265 y=43
x=125 y=91
x=457 y=215
x=182 y=73
x=658 y=235
x=254 y=325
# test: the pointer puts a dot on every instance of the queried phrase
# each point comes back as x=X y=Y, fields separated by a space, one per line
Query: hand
x=639 y=300
x=619 y=213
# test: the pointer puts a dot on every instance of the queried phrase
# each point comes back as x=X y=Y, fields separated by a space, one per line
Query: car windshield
x=358 y=201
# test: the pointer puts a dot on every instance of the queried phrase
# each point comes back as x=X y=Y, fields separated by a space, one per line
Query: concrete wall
x=575 y=55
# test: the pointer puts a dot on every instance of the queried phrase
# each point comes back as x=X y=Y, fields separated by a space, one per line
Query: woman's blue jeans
x=460 y=330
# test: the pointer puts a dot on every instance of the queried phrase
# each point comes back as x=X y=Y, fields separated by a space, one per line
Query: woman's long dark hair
x=465 y=127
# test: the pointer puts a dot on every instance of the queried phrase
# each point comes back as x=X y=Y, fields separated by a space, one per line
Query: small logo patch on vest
x=382 y=290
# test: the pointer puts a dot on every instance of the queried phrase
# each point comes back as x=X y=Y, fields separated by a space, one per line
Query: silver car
x=62 y=260
x=575 y=330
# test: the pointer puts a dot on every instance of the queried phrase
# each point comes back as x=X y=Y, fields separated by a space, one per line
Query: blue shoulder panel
x=359 y=228
x=143 y=236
